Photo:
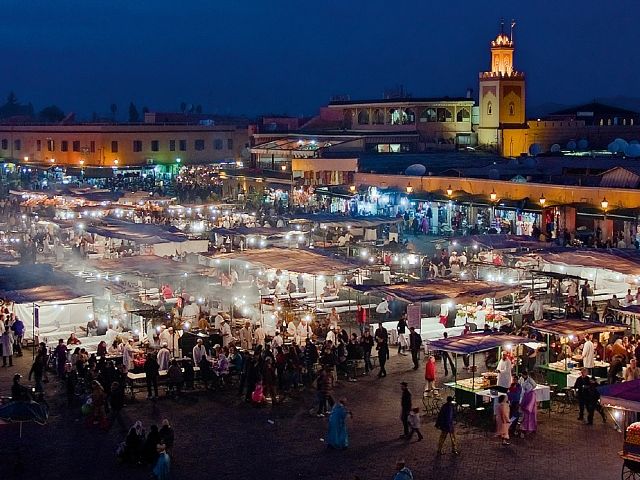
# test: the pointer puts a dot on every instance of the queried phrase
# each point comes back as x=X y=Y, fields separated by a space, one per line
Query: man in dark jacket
x=151 y=370
x=415 y=342
x=445 y=423
x=581 y=387
x=405 y=406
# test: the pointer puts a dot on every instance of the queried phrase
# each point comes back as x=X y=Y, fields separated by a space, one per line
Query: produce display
x=632 y=439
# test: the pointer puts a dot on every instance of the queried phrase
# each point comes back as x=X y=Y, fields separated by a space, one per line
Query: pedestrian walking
x=430 y=376
x=446 y=360
x=415 y=343
x=414 y=424
x=402 y=471
x=405 y=408
x=446 y=424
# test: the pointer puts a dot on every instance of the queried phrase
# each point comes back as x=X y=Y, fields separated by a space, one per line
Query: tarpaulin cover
x=141 y=233
x=477 y=342
x=246 y=231
x=623 y=395
x=144 y=265
x=298 y=261
x=440 y=289
x=497 y=242
x=574 y=326
x=626 y=262
x=341 y=221
x=39 y=283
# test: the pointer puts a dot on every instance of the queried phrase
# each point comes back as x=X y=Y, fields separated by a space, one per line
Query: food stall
x=478 y=388
x=564 y=373
x=447 y=305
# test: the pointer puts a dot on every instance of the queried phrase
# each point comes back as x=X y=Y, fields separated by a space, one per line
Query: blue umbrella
x=24 y=412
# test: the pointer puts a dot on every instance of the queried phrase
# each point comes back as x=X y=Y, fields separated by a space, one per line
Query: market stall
x=564 y=373
x=448 y=305
x=478 y=389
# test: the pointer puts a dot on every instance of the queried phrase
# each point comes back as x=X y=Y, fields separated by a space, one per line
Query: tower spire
x=502 y=25
x=513 y=24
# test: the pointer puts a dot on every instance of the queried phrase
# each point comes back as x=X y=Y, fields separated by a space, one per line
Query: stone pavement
x=218 y=436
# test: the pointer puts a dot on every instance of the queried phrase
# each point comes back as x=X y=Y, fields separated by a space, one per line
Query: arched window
x=378 y=117
x=463 y=115
x=363 y=117
x=444 y=115
x=395 y=116
x=489 y=108
x=408 y=117
x=428 y=115
x=512 y=109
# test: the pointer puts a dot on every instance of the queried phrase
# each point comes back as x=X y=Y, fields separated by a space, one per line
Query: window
x=378 y=117
x=183 y=145
x=92 y=146
x=512 y=109
x=198 y=145
x=428 y=115
x=17 y=143
x=64 y=146
x=409 y=116
x=172 y=145
x=137 y=145
x=76 y=145
x=489 y=108
x=5 y=144
x=217 y=144
x=229 y=143
x=155 y=145
x=463 y=115
x=363 y=117
x=51 y=145
x=444 y=115
x=114 y=146
x=38 y=145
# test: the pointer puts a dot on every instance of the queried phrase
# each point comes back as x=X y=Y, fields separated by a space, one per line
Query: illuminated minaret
x=502 y=94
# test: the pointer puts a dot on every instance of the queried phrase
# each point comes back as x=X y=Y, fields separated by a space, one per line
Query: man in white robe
x=199 y=351
x=504 y=371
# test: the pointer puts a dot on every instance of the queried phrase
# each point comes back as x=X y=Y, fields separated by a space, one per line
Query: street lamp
x=493 y=195
x=26 y=158
x=352 y=189
x=542 y=200
x=116 y=161
x=449 y=191
x=409 y=189
x=604 y=204
x=283 y=168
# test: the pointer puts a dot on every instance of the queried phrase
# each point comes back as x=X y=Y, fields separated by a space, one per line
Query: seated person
x=176 y=378
x=92 y=328
x=235 y=360
x=73 y=340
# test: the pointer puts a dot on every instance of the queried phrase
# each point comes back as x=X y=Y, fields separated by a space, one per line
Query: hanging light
x=409 y=188
x=283 y=167
x=542 y=200
x=449 y=191
x=352 y=189
x=493 y=195
x=604 y=203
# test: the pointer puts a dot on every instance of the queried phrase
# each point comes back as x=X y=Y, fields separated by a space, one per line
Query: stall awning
x=39 y=283
x=442 y=289
x=298 y=261
x=477 y=342
x=341 y=221
x=574 y=326
x=621 y=261
x=144 y=265
x=496 y=242
x=624 y=395
x=145 y=234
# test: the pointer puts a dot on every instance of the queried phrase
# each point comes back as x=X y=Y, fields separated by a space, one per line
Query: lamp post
x=409 y=189
x=450 y=206
x=542 y=201
x=605 y=205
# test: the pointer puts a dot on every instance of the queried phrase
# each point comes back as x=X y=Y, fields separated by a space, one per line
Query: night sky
x=286 y=56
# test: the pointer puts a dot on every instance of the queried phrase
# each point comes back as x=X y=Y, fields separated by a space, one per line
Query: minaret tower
x=502 y=95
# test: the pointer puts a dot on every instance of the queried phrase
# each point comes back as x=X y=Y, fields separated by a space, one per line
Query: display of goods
x=632 y=439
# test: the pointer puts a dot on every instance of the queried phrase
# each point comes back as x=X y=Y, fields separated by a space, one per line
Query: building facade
x=122 y=145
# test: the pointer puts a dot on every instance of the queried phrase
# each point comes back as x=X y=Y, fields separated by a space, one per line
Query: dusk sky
x=286 y=56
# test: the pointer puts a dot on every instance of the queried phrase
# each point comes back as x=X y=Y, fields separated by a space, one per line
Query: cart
x=630 y=466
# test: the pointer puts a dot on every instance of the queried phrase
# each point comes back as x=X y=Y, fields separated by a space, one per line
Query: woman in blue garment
x=338 y=436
